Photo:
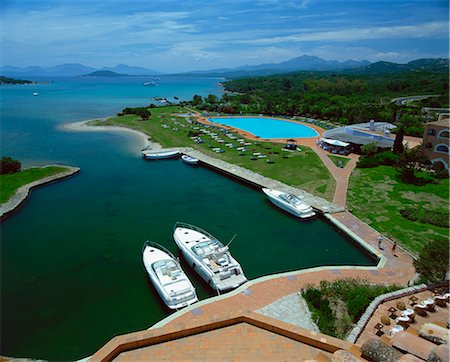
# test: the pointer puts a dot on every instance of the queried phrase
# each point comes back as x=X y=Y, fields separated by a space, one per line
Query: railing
x=159 y=246
x=195 y=228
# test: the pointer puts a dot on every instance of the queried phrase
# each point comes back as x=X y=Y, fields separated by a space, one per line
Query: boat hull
x=152 y=255
x=185 y=238
x=189 y=160
x=275 y=199
x=159 y=155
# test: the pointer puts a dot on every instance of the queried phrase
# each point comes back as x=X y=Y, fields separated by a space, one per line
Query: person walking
x=380 y=240
x=394 y=248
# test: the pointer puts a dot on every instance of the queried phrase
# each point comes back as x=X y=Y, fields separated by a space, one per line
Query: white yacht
x=208 y=257
x=159 y=154
x=290 y=203
x=170 y=281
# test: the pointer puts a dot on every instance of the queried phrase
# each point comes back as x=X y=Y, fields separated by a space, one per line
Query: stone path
x=290 y=309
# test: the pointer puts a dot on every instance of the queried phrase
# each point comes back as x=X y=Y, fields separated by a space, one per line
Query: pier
x=260 y=181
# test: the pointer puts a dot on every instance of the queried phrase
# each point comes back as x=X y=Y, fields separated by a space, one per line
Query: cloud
x=425 y=30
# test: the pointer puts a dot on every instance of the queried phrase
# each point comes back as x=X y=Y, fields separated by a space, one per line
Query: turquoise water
x=71 y=270
x=268 y=127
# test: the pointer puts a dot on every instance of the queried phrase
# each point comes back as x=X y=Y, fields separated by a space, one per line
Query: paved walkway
x=290 y=309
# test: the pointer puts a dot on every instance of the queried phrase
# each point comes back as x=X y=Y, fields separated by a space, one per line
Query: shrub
x=369 y=149
x=433 y=217
x=8 y=165
x=387 y=158
x=336 y=305
x=432 y=264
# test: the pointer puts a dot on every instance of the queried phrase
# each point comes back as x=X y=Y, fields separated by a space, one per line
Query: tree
x=8 y=165
x=398 y=143
x=432 y=264
x=143 y=113
x=370 y=149
x=197 y=100
x=409 y=163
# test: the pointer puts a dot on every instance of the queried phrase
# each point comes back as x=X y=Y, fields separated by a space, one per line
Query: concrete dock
x=257 y=180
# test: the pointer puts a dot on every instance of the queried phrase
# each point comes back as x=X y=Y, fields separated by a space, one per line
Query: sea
x=71 y=271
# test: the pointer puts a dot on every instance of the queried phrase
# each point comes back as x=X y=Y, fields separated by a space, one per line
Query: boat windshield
x=207 y=248
x=167 y=267
x=292 y=199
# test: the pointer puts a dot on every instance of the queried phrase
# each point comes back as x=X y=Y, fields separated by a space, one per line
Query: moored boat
x=160 y=154
x=190 y=160
x=290 y=203
x=170 y=281
x=208 y=257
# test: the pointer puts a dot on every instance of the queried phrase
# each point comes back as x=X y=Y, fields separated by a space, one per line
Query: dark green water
x=71 y=270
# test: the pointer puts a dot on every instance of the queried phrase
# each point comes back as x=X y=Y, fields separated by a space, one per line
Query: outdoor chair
x=394 y=330
x=421 y=310
x=403 y=321
x=440 y=300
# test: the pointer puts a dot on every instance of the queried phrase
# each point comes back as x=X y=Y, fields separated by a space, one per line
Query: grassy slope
x=376 y=196
x=11 y=182
x=302 y=169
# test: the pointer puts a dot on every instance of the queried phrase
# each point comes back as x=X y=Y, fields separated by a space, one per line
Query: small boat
x=290 y=203
x=161 y=154
x=170 y=281
x=190 y=160
x=208 y=257
x=35 y=94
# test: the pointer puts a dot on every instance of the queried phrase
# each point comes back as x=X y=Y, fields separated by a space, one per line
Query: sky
x=185 y=35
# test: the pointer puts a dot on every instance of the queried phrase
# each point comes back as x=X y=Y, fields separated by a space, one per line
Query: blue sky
x=175 y=35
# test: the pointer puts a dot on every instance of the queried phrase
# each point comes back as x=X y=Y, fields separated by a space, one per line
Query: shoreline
x=84 y=126
x=23 y=192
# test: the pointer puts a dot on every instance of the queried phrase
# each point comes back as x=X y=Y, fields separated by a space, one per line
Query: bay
x=72 y=276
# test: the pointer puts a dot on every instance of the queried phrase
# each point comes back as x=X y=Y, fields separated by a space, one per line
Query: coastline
x=84 y=126
x=23 y=192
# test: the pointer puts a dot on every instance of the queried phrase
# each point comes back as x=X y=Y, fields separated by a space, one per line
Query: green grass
x=302 y=169
x=376 y=196
x=9 y=183
x=336 y=159
x=337 y=305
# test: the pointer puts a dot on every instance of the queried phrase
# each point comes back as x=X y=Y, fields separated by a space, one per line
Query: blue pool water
x=268 y=127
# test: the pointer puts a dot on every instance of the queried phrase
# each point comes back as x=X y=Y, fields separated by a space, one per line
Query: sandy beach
x=83 y=126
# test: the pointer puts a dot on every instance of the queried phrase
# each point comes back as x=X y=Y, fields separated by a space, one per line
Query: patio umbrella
x=335 y=142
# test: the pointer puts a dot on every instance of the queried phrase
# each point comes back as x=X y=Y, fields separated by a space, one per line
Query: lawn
x=376 y=196
x=11 y=182
x=302 y=169
x=336 y=160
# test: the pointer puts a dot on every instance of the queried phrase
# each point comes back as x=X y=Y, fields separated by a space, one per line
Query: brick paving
x=240 y=342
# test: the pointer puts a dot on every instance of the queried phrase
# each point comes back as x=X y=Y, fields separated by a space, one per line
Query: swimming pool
x=267 y=127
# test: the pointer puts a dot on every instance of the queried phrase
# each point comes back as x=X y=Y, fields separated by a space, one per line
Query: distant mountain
x=70 y=70
x=126 y=69
x=434 y=65
x=303 y=63
x=105 y=73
